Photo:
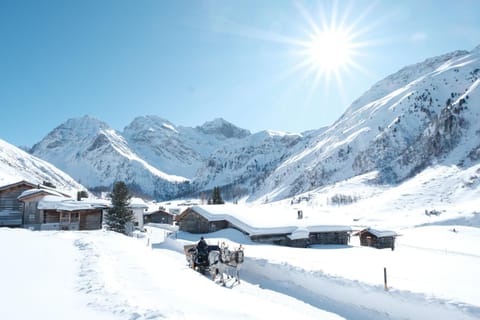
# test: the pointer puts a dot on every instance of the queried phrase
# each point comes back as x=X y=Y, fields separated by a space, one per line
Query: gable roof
x=31 y=185
x=52 y=202
x=380 y=233
x=17 y=184
x=37 y=192
x=159 y=211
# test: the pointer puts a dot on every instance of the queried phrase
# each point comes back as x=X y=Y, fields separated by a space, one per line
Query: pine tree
x=216 y=196
x=119 y=215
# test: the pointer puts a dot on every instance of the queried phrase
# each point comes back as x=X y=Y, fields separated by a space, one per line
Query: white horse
x=225 y=262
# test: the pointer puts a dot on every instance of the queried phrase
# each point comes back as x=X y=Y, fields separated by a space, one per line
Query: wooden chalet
x=198 y=219
x=11 y=210
x=377 y=238
x=159 y=216
x=47 y=211
x=192 y=221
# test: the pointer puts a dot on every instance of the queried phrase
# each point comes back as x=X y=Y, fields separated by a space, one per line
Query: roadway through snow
x=350 y=299
x=128 y=279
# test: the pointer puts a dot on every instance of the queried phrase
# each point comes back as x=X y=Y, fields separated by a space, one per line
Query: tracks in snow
x=350 y=299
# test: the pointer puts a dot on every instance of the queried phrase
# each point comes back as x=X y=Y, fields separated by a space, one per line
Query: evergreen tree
x=119 y=215
x=216 y=196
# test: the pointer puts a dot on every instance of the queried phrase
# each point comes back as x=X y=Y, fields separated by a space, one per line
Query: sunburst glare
x=332 y=45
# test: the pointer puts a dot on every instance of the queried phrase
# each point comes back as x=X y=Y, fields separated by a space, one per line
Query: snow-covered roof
x=137 y=203
x=32 y=192
x=18 y=183
x=264 y=220
x=68 y=204
x=148 y=213
x=382 y=233
x=299 y=233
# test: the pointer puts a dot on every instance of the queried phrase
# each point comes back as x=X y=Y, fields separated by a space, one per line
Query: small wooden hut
x=377 y=238
x=11 y=209
x=159 y=216
x=194 y=222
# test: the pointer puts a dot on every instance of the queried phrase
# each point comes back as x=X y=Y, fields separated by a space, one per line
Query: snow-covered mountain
x=243 y=167
x=425 y=114
x=17 y=165
x=179 y=150
x=97 y=156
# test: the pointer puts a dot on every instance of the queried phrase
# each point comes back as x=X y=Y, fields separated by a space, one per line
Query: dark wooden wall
x=370 y=240
x=10 y=205
x=90 y=220
x=336 y=237
x=159 y=217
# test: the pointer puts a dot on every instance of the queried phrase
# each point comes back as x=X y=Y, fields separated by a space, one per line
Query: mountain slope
x=241 y=168
x=17 y=165
x=98 y=156
x=179 y=150
x=424 y=114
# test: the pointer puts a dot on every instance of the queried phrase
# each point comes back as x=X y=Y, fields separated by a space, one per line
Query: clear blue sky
x=193 y=61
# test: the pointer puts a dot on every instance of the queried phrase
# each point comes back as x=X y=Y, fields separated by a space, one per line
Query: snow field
x=424 y=282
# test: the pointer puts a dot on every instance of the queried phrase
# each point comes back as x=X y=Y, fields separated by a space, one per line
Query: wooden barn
x=306 y=236
x=377 y=238
x=194 y=222
x=159 y=216
x=339 y=235
x=11 y=209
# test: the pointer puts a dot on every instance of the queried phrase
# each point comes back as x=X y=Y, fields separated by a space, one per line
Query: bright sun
x=329 y=51
x=332 y=44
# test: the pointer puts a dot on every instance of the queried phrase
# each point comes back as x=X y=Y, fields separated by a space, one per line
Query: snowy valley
x=405 y=157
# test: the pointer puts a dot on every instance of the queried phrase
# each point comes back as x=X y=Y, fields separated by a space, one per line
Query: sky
x=272 y=64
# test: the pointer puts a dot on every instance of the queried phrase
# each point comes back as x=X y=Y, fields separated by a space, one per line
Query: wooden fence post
x=385 y=278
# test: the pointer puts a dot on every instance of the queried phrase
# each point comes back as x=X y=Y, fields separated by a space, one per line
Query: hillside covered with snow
x=426 y=114
x=17 y=165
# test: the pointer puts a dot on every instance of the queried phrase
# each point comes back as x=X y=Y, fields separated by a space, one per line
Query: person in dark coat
x=202 y=245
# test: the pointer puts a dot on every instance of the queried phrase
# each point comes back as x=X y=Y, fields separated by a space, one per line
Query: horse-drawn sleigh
x=221 y=262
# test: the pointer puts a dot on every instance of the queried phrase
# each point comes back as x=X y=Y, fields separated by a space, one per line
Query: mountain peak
x=220 y=126
x=85 y=122
x=150 y=123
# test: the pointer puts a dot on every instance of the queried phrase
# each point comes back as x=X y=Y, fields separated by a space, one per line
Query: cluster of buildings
x=40 y=207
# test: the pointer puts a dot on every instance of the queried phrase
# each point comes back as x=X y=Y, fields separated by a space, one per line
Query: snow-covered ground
x=102 y=275
x=431 y=274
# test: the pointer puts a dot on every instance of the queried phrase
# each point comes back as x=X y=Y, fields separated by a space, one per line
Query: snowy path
x=129 y=280
x=351 y=299
x=346 y=285
x=103 y=275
